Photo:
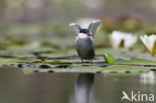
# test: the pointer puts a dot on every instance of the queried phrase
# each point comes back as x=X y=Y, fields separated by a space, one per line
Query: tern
x=84 y=41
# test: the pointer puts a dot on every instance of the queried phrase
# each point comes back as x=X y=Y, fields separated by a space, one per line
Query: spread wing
x=75 y=27
x=93 y=26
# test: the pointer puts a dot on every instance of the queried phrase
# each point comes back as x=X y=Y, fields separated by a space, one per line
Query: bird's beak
x=89 y=34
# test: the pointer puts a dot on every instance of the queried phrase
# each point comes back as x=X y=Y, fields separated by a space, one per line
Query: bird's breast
x=84 y=42
x=85 y=48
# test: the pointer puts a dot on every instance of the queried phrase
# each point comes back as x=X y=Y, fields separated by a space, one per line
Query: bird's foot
x=81 y=61
x=91 y=62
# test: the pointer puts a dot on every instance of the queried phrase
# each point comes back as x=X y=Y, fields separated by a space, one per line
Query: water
x=17 y=87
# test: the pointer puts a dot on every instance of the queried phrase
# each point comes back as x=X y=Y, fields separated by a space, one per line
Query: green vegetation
x=50 y=48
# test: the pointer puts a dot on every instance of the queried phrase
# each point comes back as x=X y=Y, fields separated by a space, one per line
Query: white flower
x=149 y=43
x=122 y=40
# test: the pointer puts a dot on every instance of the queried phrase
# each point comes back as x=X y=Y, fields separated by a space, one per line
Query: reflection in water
x=84 y=88
x=16 y=87
x=149 y=81
x=148 y=78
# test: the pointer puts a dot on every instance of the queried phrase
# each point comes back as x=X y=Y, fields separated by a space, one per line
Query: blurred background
x=58 y=11
x=49 y=19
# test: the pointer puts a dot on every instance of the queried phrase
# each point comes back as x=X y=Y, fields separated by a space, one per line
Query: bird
x=84 y=41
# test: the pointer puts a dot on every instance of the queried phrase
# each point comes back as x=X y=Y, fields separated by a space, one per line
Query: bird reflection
x=84 y=88
x=148 y=78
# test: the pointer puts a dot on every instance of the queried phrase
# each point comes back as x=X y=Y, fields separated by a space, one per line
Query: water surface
x=17 y=87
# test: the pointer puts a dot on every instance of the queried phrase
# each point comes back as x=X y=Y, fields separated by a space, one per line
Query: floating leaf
x=124 y=70
x=108 y=58
x=139 y=62
x=79 y=69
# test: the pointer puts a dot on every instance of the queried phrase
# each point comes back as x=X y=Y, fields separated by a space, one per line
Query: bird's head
x=90 y=31
x=86 y=32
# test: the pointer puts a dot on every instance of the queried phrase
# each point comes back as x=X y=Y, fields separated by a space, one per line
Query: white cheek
x=81 y=35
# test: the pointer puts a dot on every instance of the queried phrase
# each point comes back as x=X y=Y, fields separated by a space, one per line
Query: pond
x=17 y=87
x=39 y=62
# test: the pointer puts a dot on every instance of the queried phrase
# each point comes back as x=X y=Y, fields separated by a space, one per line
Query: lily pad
x=80 y=69
x=108 y=58
x=139 y=62
x=123 y=70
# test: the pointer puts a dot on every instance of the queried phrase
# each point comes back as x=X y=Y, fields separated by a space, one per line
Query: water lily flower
x=149 y=43
x=122 y=40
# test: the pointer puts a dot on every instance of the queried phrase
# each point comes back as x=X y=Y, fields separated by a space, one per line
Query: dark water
x=17 y=87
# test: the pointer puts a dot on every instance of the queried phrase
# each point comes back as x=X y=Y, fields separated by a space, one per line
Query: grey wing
x=93 y=26
x=75 y=27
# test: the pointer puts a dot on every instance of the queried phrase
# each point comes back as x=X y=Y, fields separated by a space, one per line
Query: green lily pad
x=80 y=69
x=108 y=58
x=123 y=70
x=135 y=61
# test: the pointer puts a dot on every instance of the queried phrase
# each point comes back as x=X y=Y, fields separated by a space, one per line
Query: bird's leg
x=81 y=61
x=91 y=62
